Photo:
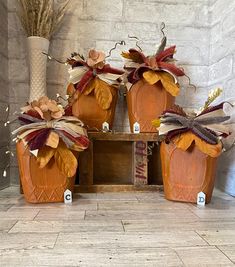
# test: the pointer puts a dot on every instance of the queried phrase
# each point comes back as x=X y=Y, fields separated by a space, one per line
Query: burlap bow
x=208 y=125
x=82 y=72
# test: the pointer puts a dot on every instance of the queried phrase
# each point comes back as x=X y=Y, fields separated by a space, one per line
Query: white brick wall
x=222 y=73
x=100 y=23
x=4 y=92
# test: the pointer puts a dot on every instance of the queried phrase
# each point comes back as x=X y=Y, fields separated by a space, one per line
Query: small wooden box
x=119 y=162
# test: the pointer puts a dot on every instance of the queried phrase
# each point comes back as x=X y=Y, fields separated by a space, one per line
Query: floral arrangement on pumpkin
x=159 y=67
x=48 y=132
x=205 y=128
x=92 y=75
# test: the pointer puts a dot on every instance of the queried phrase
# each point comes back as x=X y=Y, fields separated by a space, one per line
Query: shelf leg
x=140 y=163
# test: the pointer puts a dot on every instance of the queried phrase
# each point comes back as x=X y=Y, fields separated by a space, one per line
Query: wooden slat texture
x=203 y=256
x=123 y=136
x=116 y=162
x=115 y=188
x=86 y=166
x=116 y=229
x=112 y=162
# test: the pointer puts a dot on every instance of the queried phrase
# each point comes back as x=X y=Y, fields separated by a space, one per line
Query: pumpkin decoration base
x=186 y=173
x=87 y=109
x=41 y=185
x=145 y=103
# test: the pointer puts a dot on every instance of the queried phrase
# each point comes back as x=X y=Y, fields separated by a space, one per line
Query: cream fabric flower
x=96 y=59
x=47 y=109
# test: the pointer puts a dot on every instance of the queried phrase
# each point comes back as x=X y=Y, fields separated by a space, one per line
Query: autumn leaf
x=185 y=140
x=156 y=123
x=134 y=55
x=168 y=83
x=65 y=160
x=126 y=55
x=166 y=79
x=53 y=139
x=211 y=150
x=78 y=148
x=90 y=87
x=151 y=77
x=103 y=94
x=44 y=155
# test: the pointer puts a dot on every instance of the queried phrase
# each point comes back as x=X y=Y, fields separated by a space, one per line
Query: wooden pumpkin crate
x=119 y=162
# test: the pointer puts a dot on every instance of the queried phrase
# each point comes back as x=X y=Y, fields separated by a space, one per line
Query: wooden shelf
x=115 y=188
x=123 y=136
x=119 y=162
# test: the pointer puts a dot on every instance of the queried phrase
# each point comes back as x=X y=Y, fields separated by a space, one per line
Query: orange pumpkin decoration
x=189 y=160
x=186 y=173
x=95 y=105
x=152 y=85
x=146 y=102
x=93 y=89
x=41 y=185
x=46 y=140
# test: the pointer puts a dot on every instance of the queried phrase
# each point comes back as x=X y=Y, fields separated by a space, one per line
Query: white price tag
x=68 y=197
x=201 y=199
x=136 y=127
x=105 y=127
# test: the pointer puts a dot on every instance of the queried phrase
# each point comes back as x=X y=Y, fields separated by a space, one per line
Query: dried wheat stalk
x=41 y=17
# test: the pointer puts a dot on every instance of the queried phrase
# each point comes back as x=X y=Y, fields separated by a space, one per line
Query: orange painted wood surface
x=147 y=102
x=41 y=185
x=87 y=109
x=186 y=173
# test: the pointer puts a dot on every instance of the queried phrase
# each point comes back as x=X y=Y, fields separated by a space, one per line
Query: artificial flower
x=96 y=59
x=47 y=109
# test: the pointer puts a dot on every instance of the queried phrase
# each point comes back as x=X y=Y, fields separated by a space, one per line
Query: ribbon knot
x=208 y=126
x=50 y=124
x=190 y=123
x=94 y=72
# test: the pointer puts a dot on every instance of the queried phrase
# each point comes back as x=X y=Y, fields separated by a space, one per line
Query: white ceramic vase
x=37 y=66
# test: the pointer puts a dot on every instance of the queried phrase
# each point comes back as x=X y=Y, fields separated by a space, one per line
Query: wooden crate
x=119 y=162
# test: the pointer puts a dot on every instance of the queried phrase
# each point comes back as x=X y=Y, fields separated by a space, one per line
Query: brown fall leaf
x=103 y=94
x=126 y=55
x=65 y=160
x=70 y=89
x=90 y=87
x=53 y=139
x=166 y=79
x=77 y=148
x=185 y=140
x=151 y=77
x=133 y=55
x=44 y=155
x=211 y=150
x=168 y=83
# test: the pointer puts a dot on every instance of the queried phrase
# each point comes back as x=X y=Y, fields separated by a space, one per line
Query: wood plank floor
x=116 y=229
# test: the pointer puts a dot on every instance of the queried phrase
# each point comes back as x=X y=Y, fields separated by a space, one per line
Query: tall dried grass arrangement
x=41 y=17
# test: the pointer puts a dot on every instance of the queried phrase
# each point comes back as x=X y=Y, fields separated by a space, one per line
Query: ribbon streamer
x=82 y=75
x=68 y=128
